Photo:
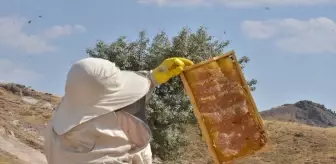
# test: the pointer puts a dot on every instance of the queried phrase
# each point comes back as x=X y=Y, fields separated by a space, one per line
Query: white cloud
x=237 y=3
x=317 y=35
x=12 y=35
x=65 y=30
x=13 y=72
x=79 y=28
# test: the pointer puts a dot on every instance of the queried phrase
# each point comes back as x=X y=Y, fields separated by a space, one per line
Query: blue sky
x=292 y=45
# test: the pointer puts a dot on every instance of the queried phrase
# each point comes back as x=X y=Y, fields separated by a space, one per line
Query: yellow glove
x=169 y=68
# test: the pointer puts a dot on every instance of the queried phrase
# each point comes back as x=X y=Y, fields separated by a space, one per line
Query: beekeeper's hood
x=95 y=87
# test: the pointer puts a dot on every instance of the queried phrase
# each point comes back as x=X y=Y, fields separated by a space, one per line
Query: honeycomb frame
x=250 y=117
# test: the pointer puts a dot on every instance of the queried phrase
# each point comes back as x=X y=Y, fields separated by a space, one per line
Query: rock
x=47 y=106
x=11 y=133
x=157 y=161
x=21 y=151
x=30 y=100
x=15 y=122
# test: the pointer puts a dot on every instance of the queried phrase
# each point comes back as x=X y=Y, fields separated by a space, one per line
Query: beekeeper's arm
x=165 y=71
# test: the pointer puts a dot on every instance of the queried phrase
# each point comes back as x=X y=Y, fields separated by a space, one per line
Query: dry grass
x=289 y=143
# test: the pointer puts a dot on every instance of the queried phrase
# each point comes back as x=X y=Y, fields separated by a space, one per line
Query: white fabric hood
x=95 y=87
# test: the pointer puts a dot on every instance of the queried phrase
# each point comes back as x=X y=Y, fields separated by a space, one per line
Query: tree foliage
x=169 y=108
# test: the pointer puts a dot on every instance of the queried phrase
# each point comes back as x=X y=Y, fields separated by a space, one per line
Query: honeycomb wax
x=224 y=108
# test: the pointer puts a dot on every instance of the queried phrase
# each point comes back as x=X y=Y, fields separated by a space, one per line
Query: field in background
x=289 y=143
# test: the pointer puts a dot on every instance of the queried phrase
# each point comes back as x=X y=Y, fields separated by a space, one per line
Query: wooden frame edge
x=208 y=61
x=248 y=91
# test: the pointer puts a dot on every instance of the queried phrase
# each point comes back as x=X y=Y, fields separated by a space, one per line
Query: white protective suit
x=100 y=119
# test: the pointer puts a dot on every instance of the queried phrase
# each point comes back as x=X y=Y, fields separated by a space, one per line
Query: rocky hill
x=24 y=113
x=305 y=112
x=23 y=116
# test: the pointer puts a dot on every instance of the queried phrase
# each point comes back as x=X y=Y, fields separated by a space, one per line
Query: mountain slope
x=23 y=114
x=305 y=112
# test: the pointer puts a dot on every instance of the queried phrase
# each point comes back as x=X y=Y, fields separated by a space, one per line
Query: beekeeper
x=101 y=118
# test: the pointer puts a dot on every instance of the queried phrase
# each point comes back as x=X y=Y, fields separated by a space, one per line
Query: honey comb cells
x=224 y=108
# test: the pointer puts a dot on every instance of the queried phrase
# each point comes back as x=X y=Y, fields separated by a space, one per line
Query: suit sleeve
x=148 y=74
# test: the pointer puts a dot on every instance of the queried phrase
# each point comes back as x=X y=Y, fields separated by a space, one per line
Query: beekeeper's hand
x=169 y=68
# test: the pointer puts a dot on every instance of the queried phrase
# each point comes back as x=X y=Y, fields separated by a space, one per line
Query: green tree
x=169 y=108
